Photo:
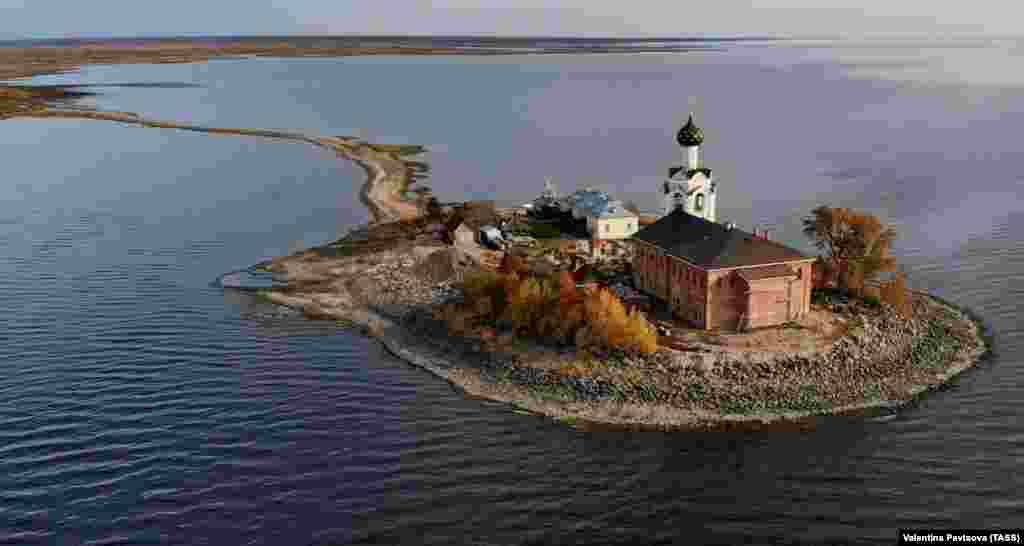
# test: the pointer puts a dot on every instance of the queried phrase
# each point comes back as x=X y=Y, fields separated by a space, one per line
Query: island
x=583 y=308
x=498 y=323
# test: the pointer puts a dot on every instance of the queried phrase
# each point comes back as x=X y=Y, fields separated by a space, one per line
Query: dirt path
x=388 y=174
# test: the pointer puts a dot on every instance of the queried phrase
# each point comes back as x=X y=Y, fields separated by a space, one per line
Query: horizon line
x=494 y=36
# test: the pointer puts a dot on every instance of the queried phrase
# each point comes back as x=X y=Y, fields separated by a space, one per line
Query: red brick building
x=716 y=276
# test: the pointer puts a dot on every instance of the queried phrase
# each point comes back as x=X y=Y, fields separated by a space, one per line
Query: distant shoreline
x=20 y=61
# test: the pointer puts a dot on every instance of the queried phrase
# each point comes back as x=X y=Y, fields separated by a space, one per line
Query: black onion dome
x=690 y=134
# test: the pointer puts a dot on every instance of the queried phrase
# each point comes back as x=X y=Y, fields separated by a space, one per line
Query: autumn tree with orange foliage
x=894 y=293
x=608 y=323
x=548 y=307
x=856 y=243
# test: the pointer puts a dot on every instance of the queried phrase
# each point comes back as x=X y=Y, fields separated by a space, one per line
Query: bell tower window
x=698 y=203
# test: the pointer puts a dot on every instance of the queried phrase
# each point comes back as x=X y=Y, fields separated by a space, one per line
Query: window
x=629 y=226
x=698 y=203
x=607 y=227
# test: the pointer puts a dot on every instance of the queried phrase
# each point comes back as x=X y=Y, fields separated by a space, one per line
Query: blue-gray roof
x=589 y=201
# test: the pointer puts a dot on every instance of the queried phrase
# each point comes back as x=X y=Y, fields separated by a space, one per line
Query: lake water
x=141 y=405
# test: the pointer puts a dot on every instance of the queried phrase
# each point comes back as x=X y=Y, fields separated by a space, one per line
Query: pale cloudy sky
x=56 y=18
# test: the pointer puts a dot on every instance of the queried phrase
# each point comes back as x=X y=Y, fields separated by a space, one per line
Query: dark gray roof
x=712 y=246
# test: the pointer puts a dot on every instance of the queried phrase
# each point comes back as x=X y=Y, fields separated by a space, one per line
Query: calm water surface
x=140 y=405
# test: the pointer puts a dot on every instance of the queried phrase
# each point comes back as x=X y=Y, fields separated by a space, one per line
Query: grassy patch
x=695 y=392
x=731 y=406
x=545 y=231
x=616 y=359
x=985 y=333
x=553 y=392
x=342 y=249
x=400 y=149
x=872 y=392
x=519 y=345
x=262 y=295
x=806 y=400
x=616 y=393
x=929 y=350
x=503 y=374
x=646 y=392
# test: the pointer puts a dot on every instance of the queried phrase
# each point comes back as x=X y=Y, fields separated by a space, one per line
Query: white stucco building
x=605 y=218
x=613 y=222
x=690 y=186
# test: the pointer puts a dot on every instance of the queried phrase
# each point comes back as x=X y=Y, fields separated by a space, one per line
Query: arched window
x=698 y=203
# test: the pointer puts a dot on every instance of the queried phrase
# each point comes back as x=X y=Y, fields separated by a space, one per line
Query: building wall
x=688 y=288
x=681 y=285
x=614 y=228
x=772 y=302
x=701 y=185
x=804 y=286
x=464 y=236
x=712 y=200
x=691 y=156
x=727 y=299
x=718 y=299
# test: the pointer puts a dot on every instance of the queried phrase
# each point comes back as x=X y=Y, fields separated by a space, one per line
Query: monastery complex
x=715 y=275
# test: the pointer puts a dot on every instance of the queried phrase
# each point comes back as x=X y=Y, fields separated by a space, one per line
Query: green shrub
x=553 y=392
x=545 y=231
x=872 y=301
x=646 y=392
x=829 y=296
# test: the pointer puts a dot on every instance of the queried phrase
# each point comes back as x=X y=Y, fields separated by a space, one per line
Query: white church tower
x=689 y=186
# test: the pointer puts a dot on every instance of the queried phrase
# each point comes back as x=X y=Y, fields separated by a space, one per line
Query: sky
x=64 y=18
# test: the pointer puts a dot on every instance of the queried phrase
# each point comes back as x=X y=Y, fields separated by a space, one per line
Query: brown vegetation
x=856 y=244
x=895 y=293
x=549 y=307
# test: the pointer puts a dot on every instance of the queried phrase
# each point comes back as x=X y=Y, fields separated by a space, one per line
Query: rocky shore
x=882 y=360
